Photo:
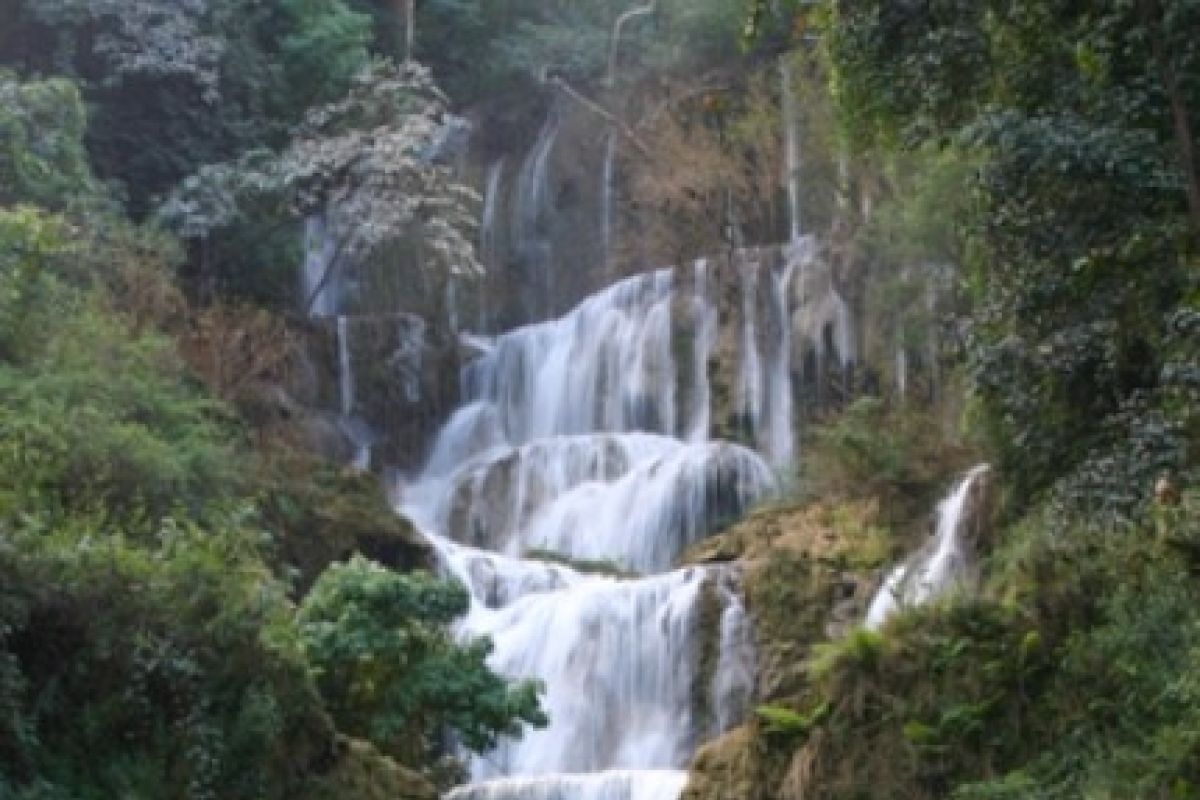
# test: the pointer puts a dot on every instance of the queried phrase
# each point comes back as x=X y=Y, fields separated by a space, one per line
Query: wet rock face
x=402 y=381
x=726 y=768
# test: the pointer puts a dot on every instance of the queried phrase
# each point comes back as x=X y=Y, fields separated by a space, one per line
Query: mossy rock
x=841 y=534
x=321 y=513
x=727 y=768
x=361 y=772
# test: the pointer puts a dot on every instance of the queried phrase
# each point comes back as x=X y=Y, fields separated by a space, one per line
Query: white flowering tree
x=370 y=164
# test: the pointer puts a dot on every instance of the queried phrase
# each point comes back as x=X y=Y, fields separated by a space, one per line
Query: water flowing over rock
x=584 y=440
x=530 y=206
x=945 y=561
x=641 y=785
x=488 y=234
x=791 y=147
x=318 y=288
x=606 y=366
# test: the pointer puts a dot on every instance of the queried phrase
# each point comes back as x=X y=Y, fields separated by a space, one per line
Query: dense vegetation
x=1068 y=134
x=180 y=612
x=156 y=530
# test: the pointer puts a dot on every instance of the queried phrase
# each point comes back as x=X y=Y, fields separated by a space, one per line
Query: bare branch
x=600 y=110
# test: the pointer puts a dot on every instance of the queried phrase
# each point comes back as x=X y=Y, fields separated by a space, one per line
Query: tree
x=42 y=158
x=174 y=85
x=390 y=670
x=1082 y=241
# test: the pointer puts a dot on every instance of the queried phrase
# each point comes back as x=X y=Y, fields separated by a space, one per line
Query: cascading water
x=569 y=445
x=530 y=208
x=318 y=288
x=764 y=379
x=614 y=785
x=942 y=563
x=791 y=149
x=488 y=235
x=607 y=177
x=750 y=399
x=705 y=321
x=353 y=428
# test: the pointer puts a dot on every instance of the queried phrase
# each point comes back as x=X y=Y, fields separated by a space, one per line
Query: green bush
x=391 y=672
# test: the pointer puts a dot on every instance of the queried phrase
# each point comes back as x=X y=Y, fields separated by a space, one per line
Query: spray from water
x=943 y=563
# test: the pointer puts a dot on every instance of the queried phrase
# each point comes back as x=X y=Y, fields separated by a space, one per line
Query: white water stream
x=937 y=567
x=570 y=444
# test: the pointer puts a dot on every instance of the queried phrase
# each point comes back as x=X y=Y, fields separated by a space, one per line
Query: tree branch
x=600 y=110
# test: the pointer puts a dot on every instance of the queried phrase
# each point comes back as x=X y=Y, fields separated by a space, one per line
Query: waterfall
x=488 y=237
x=530 y=208
x=606 y=366
x=318 y=288
x=779 y=437
x=353 y=428
x=750 y=399
x=704 y=338
x=734 y=679
x=764 y=391
x=791 y=149
x=942 y=563
x=569 y=447
x=606 y=198
x=617 y=785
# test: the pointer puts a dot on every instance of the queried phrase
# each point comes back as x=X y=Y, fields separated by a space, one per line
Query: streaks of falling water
x=764 y=378
x=941 y=564
x=608 y=175
x=317 y=287
x=488 y=234
x=607 y=366
x=734 y=677
x=530 y=208
x=616 y=785
x=353 y=428
x=778 y=441
x=705 y=320
x=750 y=395
x=566 y=443
x=345 y=376
x=791 y=149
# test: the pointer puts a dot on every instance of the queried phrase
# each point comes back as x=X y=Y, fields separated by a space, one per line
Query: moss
x=360 y=772
x=803 y=564
x=846 y=535
x=588 y=566
x=901 y=459
x=321 y=513
x=708 y=655
x=728 y=768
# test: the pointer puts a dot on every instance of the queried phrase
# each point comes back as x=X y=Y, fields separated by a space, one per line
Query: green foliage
x=164 y=671
x=95 y=416
x=783 y=721
x=42 y=159
x=1072 y=677
x=1082 y=234
x=368 y=164
x=176 y=85
x=322 y=45
x=894 y=455
x=390 y=671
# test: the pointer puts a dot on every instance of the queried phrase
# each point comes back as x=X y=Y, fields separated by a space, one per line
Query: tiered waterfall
x=585 y=441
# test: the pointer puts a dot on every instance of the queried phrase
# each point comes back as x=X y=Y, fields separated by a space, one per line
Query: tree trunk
x=1187 y=146
x=1181 y=122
